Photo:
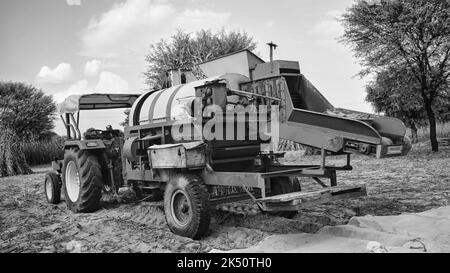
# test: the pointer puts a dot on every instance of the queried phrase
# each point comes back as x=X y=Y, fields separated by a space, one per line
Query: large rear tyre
x=82 y=180
x=186 y=206
x=52 y=188
x=282 y=185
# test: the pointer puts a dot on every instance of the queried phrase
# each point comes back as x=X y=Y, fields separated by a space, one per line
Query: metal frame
x=72 y=125
x=260 y=180
x=88 y=102
x=257 y=179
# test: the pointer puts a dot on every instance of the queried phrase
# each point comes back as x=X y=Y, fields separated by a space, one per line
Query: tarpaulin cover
x=427 y=231
x=75 y=103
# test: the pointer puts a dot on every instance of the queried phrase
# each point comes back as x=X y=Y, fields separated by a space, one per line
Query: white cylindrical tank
x=171 y=103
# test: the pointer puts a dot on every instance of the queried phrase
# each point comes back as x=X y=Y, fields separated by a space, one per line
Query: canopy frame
x=74 y=104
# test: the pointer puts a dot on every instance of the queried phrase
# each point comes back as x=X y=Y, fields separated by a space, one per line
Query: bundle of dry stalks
x=12 y=159
x=287 y=145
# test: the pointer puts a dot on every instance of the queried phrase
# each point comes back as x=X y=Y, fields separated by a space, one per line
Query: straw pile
x=12 y=158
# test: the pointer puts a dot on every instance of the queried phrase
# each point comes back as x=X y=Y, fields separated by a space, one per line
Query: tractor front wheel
x=186 y=206
x=52 y=188
x=82 y=180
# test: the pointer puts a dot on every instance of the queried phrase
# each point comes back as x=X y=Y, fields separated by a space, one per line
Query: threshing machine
x=204 y=142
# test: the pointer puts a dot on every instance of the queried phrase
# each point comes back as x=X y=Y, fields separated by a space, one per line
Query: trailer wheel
x=282 y=185
x=82 y=180
x=186 y=206
x=52 y=188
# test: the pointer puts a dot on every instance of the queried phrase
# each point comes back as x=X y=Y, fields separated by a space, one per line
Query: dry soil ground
x=417 y=182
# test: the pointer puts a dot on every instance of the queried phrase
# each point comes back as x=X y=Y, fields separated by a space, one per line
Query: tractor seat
x=93 y=133
x=109 y=133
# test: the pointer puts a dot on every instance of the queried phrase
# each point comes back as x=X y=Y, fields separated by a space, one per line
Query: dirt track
x=414 y=183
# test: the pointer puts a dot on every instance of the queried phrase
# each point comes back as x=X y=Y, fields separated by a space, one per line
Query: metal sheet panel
x=159 y=106
x=133 y=108
x=159 y=112
x=145 y=109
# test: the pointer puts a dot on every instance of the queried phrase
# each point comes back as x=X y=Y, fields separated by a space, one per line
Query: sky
x=70 y=47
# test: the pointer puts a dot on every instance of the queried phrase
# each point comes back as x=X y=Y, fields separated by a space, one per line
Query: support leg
x=333 y=180
x=323 y=153
x=320 y=182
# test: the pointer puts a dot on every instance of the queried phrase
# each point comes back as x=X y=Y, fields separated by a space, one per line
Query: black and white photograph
x=219 y=133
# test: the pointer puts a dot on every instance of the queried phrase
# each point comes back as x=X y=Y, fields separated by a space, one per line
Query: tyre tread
x=199 y=196
x=91 y=180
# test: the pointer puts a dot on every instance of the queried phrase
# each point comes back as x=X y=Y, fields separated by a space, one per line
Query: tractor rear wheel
x=282 y=185
x=82 y=180
x=186 y=206
x=52 y=188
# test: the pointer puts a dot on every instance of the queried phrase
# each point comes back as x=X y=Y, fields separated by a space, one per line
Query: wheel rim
x=180 y=206
x=48 y=188
x=72 y=181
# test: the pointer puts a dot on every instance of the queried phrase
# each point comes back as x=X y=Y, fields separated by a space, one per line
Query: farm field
x=417 y=182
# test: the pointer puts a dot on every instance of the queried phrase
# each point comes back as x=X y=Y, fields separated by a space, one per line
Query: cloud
x=92 y=68
x=129 y=27
x=111 y=83
x=73 y=2
x=331 y=25
x=269 y=24
x=117 y=30
x=60 y=74
x=78 y=88
x=192 y=20
x=108 y=82
x=329 y=29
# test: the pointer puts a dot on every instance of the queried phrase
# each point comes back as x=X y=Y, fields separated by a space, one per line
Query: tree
x=26 y=114
x=395 y=92
x=26 y=110
x=391 y=33
x=126 y=120
x=186 y=50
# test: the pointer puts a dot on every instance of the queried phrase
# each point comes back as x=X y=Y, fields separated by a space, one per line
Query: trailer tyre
x=282 y=185
x=52 y=188
x=186 y=206
x=82 y=180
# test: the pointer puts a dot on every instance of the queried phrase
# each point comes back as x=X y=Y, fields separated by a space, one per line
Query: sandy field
x=415 y=183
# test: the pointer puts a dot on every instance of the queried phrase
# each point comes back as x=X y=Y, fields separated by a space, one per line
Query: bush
x=423 y=134
x=43 y=152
